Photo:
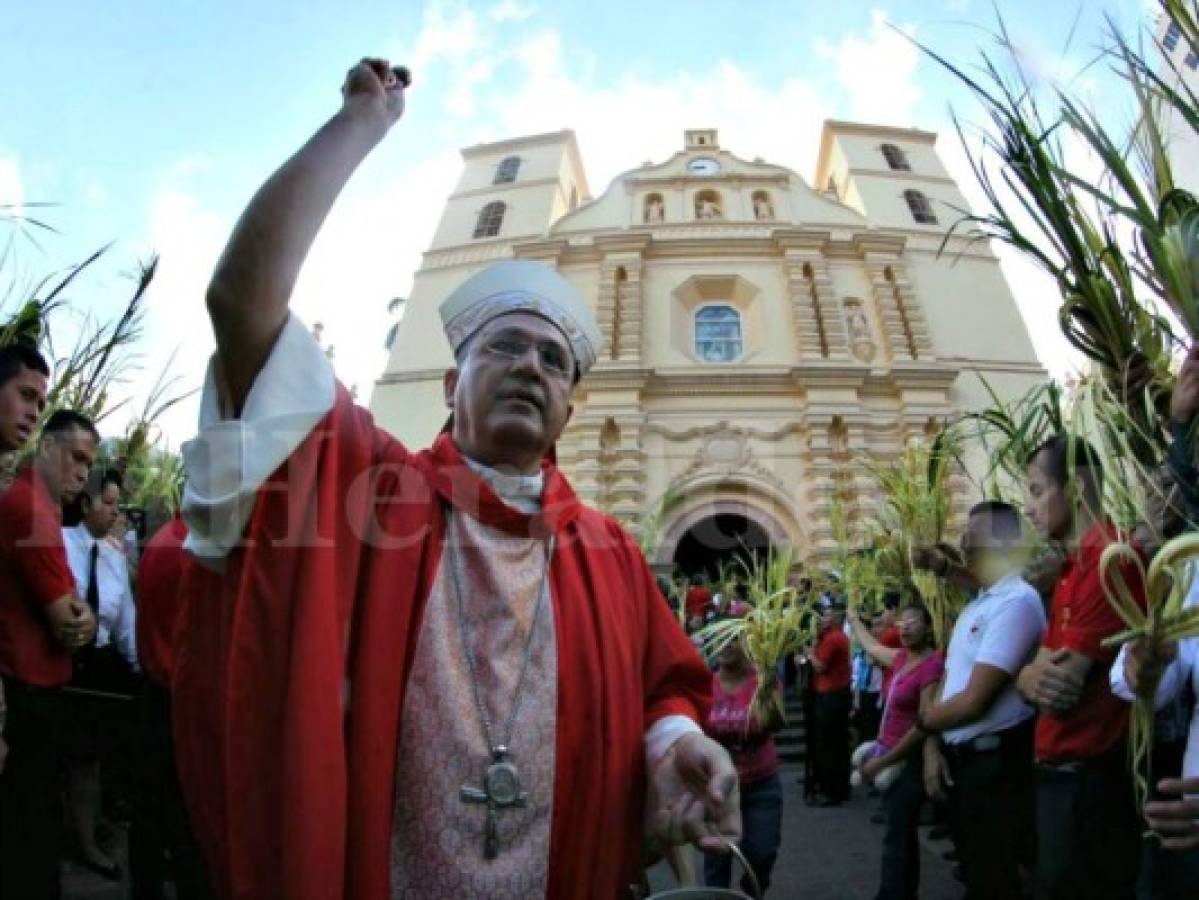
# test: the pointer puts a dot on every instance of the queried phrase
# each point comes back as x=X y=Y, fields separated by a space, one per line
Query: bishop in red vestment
x=419 y=674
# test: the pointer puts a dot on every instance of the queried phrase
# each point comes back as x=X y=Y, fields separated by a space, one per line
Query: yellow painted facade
x=761 y=334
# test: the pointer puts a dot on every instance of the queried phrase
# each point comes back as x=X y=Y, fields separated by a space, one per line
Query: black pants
x=992 y=813
x=831 y=751
x=30 y=811
x=161 y=827
x=869 y=716
x=902 y=803
x=1088 y=831
x=761 y=833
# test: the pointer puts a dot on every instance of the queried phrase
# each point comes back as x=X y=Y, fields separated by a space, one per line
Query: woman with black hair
x=893 y=761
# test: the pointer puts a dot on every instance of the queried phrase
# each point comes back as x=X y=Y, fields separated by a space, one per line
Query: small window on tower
x=506 y=173
x=922 y=210
x=896 y=158
x=491 y=218
x=1192 y=60
x=1173 y=33
x=718 y=334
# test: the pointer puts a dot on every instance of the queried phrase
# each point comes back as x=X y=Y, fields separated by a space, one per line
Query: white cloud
x=188 y=238
x=511 y=11
x=12 y=192
x=449 y=32
x=877 y=71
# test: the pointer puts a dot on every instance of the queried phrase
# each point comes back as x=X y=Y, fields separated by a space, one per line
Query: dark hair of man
x=1062 y=455
x=20 y=355
x=64 y=421
x=1005 y=518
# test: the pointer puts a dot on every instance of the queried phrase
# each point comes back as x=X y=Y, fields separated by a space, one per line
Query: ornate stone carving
x=861 y=342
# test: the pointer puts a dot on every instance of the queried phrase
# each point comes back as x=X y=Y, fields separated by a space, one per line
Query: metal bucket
x=707 y=893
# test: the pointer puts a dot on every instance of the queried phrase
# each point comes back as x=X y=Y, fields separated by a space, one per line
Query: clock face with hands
x=703 y=166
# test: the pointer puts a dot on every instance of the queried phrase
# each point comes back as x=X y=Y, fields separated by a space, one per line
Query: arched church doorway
x=720 y=540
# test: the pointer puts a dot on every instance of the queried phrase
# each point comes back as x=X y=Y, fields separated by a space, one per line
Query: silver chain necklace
x=501 y=781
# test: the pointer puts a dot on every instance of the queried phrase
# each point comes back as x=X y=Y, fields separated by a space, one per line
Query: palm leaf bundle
x=1163 y=620
x=1077 y=229
x=917 y=503
x=775 y=625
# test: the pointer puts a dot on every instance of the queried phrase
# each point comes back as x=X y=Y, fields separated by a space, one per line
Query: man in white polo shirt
x=985 y=750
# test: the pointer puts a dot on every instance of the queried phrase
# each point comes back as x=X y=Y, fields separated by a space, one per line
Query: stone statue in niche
x=654 y=210
x=707 y=208
x=763 y=211
x=860 y=340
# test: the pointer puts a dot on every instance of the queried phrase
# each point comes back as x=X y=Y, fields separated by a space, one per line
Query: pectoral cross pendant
x=501 y=790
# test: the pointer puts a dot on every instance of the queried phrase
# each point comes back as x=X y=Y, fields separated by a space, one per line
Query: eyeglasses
x=554 y=359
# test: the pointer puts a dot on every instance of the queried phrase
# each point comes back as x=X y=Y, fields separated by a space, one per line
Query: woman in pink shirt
x=915 y=668
x=751 y=745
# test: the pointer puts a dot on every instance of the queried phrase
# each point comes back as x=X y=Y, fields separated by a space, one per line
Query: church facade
x=763 y=335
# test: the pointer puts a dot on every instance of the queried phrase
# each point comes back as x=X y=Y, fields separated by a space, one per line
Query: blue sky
x=151 y=123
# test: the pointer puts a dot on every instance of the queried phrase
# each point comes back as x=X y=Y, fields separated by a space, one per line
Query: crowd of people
x=362 y=671
x=79 y=665
x=1017 y=732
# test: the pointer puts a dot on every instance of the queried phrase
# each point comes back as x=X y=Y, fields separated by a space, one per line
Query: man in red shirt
x=24 y=377
x=699 y=598
x=42 y=622
x=830 y=743
x=160 y=823
x=1088 y=833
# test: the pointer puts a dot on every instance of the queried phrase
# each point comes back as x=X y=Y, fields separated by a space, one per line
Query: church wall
x=413 y=412
x=543 y=159
x=788 y=425
x=967 y=303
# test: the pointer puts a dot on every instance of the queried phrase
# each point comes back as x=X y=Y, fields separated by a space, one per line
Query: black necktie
x=93 y=583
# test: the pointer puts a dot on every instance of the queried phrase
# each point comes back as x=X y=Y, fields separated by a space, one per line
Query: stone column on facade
x=905 y=328
x=627 y=340
x=626 y=490
x=583 y=466
x=819 y=486
x=606 y=310
x=818 y=321
x=825 y=300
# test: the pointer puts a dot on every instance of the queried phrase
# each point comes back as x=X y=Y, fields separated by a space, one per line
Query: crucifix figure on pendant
x=501 y=790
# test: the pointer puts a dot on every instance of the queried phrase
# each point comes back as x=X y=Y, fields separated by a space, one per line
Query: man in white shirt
x=985 y=752
x=103 y=670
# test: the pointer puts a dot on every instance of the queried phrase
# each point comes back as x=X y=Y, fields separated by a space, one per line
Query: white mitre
x=521 y=285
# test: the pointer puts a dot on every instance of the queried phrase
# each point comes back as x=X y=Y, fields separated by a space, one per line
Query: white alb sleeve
x=230 y=459
x=663 y=734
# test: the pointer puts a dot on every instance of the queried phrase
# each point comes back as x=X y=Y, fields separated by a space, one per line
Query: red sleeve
x=1092 y=620
x=34 y=535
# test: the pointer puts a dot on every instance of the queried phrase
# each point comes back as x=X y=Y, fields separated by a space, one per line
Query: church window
x=1192 y=60
x=718 y=333
x=506 y=173
x=896 y=158
x=922 y=210
x=490 y=219
x=1173 y=33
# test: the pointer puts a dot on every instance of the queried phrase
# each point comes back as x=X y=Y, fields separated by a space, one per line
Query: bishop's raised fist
x=376 y=88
